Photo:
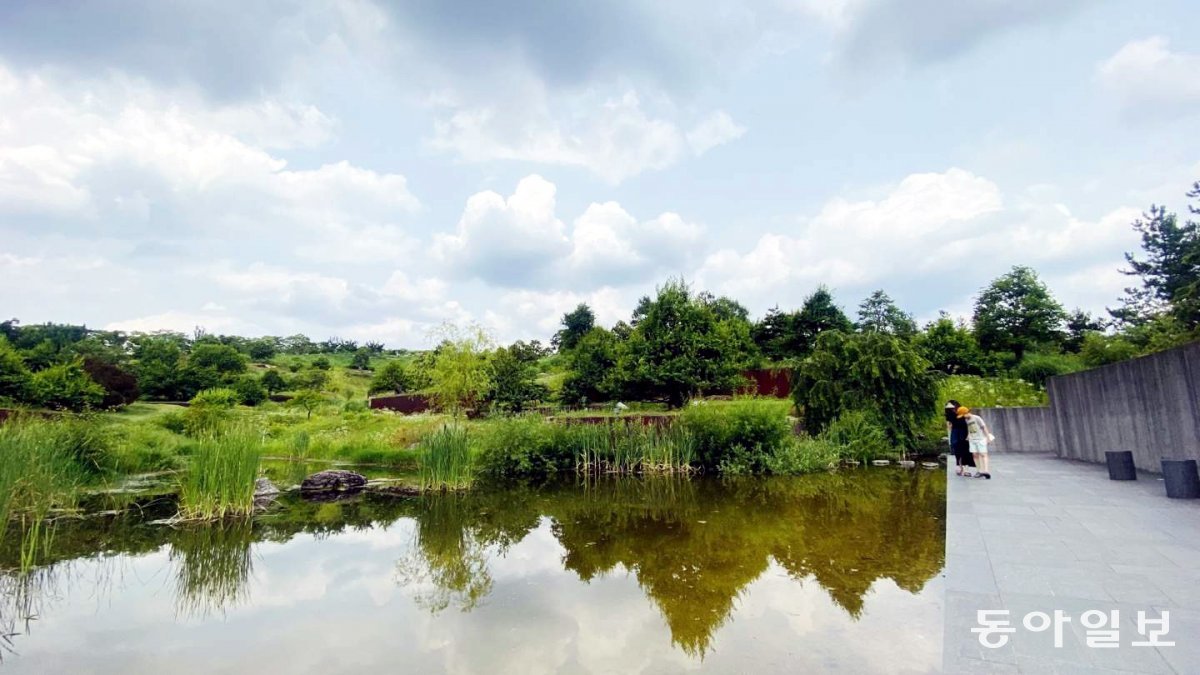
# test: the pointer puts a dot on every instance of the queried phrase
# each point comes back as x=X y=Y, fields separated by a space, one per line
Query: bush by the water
x=859 y=435
x=736 y=433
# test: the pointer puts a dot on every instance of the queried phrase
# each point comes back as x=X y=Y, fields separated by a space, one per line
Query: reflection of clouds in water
x=640 y=585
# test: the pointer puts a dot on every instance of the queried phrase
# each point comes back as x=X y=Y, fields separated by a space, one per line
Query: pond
x=831 y=572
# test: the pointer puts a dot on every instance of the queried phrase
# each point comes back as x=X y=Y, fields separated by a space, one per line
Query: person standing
x=978 y=437
x=956 y=427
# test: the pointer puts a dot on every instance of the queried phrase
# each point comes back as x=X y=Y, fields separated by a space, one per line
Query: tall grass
x=219 y=481
x=626 y=448
x=444 y=459
x=42 y=465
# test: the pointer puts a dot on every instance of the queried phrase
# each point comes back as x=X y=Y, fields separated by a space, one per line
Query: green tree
x=592 y=368
x=459 y=373
x=14 y=376
x=770 y=334
x=951 y=348
x=1170 y=271
x=681 y=347
x=818 y=314
x=159 y=366
x=879 y=314
x=219 y=358
x=263 y=349
x=1079 y=325
x=308 y=400
x=512 y=373
x=392 y=376
x=273 y=382
x=575 y=324
x=1017 y=313
x=65 y=386
x=876 y=372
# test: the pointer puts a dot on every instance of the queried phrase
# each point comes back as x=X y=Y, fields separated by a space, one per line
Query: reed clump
x=219 y=480
x=444 y=459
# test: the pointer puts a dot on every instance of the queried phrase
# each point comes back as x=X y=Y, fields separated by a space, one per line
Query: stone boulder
x=334 y=480
x=265 y=493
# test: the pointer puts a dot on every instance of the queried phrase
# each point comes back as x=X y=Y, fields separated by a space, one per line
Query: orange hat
x=963 y=411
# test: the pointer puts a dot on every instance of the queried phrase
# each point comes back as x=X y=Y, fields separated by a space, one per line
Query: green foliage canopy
x=866 y=371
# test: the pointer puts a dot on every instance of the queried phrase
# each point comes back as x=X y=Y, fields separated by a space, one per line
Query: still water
x=836 y=572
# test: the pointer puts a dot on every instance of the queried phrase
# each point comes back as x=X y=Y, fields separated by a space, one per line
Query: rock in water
x=263 y=487
x=334 y=480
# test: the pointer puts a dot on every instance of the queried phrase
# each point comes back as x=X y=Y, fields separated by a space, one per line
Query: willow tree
x=877 y=372
x=459 y=372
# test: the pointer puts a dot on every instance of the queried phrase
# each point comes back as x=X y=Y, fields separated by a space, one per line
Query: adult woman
x=960 y=447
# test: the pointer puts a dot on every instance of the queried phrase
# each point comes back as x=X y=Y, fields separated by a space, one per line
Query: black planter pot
x=1120 y=465
x=1181 y=478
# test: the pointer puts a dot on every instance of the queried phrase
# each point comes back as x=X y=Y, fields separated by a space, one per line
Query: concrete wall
x=1149 y=405
x=1021 y=429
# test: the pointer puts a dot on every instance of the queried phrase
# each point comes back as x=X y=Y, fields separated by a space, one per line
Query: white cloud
x=614 y=137
x=519 y=241
x=1149 y=79
x=530 y=315
x=182 y=322
x=716 y=129
x=953 y=225
x=506 y=240
x=116 y=154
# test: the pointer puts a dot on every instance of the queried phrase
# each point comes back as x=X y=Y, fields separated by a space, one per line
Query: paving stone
x=1050 y=534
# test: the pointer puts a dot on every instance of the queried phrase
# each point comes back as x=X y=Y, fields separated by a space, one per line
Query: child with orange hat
x=978 y=435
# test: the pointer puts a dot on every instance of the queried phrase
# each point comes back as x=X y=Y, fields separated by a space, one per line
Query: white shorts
x=979 y=447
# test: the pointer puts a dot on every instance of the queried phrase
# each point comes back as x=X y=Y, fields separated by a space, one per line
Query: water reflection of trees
x=694 y=546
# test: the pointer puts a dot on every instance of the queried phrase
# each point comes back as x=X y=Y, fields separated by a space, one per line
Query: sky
x=371 y=169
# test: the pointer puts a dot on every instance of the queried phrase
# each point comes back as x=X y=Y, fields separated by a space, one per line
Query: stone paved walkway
x=1050 y=534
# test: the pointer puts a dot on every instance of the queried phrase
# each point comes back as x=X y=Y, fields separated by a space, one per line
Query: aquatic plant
x=42 y=463
x=444 y=459
x=219 y=481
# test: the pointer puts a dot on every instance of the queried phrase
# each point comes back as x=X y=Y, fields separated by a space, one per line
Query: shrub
x=523 y=446
x=14 y=375
x=65 y=386
x=1036 y=368
x=988 y=392
x=273 y=382
x=1101 y=350
x=250 y=390
x=209 y=409
x=803 y=456
x=361 y=359
x=756 y=426
x=173 y=421
x=322 y=363
x=858 y=434
x=312 y=378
